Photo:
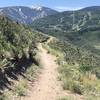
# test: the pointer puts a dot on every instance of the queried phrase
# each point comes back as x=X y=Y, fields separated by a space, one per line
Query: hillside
x=71 y=20
x=14 y=38
x=76 y=44
x=26 y=15
x=17 y=52
x=65 y=46
x=79 y=69
x=81 y=27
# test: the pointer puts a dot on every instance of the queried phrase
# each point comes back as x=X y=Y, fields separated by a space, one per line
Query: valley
x=49 y=55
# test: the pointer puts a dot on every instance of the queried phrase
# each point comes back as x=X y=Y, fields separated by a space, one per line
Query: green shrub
x=3 y=97
x=77 y=88
x=7 y=95
x=98 y=74
x=91 y=97
x=21 y=88
x=32 y=72
x=20 y=91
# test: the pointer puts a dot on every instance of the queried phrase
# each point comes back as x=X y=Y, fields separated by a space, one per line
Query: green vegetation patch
x=78 y=69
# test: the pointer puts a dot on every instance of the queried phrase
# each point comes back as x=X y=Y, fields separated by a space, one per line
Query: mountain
x=93 y=8
x=77 y=48
x=81 y=27
x=71 y=20
x=26 y=15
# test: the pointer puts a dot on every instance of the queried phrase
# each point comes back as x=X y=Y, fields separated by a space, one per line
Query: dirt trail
x=47 y=87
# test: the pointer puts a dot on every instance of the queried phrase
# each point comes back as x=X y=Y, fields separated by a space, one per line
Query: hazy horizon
x=61 y=5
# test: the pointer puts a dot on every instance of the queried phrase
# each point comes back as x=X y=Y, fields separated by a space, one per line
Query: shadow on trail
x=12 y=73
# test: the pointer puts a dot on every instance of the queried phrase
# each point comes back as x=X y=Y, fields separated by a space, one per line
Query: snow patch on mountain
x=26 y=15
x=20 y=9
x=38 y=8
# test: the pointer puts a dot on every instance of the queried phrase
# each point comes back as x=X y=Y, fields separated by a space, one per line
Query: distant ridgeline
x=26 y=15
x=81 y=27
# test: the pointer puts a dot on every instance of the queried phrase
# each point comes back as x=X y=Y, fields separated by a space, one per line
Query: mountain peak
x=39 y=8
x=26 y=15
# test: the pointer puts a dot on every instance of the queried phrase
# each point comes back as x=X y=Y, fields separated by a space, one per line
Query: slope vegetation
x=79 y=69
x=81 y=27
x=17 y=51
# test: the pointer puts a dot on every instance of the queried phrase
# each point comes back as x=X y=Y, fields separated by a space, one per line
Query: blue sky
x=60 y=5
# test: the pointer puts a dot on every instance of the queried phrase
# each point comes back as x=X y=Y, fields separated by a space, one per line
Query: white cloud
x=62 y=8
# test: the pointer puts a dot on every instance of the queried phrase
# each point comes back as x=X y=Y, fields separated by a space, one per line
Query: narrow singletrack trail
x=47 y=86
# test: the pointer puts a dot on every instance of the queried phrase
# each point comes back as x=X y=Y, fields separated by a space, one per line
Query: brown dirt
x=47 y=86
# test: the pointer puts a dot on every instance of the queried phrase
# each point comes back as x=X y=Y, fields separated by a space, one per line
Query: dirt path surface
x=47 y=87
